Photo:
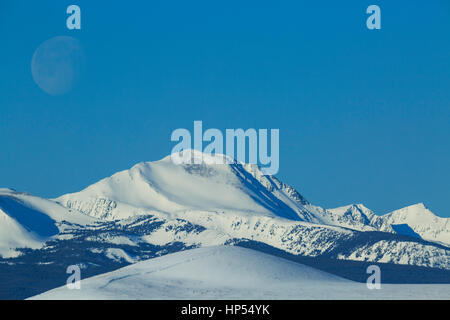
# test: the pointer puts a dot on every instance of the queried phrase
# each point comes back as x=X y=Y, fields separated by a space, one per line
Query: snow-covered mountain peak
x=234 y=190
x=358 y=208
x=424 y=222
x=357 y=216
x=362 y=207
x=415 y=211
x=167 y=187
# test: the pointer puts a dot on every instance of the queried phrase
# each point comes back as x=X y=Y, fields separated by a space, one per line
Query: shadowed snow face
x=32 y=220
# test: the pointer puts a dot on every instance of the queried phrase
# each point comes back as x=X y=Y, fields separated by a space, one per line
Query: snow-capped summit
x=415 y=211
x=167 y=187
x=418 y=218
x=214 y=184
x=359 y=217
x=424 y=222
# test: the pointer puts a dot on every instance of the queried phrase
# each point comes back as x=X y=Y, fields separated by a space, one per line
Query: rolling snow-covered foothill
x=232 y=273
x=158 y=210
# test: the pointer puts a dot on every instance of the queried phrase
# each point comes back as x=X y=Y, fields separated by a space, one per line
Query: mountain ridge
x=155 y=208
x=235 y=183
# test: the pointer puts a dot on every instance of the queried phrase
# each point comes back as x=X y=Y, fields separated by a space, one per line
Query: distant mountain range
x=158 y=207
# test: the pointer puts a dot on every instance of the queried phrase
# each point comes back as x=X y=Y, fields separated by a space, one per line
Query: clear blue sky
x=363 y=115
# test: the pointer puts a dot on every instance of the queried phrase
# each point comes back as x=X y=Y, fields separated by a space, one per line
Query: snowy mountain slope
x=205 y=228
x=156 y=208
x=288 y=195
x=199 y=229
x=358 y=217
x=54 y=210
x=238 y=201
x=165 y=187
x=109 y=245
x=231 y=273
x=424 y=222
x=105 y=245
x=28 y=221
x=13 y=235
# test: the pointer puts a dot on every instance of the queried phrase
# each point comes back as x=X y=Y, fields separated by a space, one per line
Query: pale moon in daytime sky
x=57 y=65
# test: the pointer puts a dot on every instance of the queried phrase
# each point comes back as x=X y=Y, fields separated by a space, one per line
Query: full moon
x=57 y=64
